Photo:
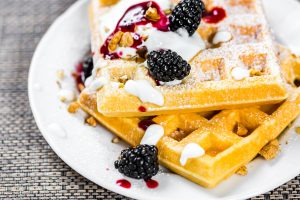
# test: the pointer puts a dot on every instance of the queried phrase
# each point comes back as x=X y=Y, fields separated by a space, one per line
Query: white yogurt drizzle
x=180 y=42
x=144 y=91
x=222 y=37
x=191 y=150
x=240 y=73
x=153 y=134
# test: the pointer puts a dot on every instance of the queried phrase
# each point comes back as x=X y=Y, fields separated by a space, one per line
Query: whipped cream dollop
x=240 y=73
x=191 y=150
x=153 y=134
x=180 y=42
x=144 y=91
x=222 y=37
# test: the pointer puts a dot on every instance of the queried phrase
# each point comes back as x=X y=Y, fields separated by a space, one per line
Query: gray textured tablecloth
x=29 y=169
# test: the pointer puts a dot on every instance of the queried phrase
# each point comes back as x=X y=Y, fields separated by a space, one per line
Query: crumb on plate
x=242 y=171
x=271 y=150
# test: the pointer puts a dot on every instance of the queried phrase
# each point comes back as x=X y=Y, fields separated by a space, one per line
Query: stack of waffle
x=231 y=118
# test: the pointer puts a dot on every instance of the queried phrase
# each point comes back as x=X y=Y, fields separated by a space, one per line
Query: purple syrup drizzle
x=127 y=23
x=145 y=123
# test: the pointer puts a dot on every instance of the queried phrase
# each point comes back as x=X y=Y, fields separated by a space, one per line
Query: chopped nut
x=242 y=171
x=298 y=130
x=241 y=130
x=255 y=72
x=115 y=140
x=106 y=29
x=142 y=52
x=126 y=40
x=123 y=79
x=63 y=99
x=144 y=37
x=91 y=121
x=58 y=84
x=73 y=107
x=60 y=74
x=152 y=14
x=113 y=43
x=167 y=11
x=271 y=150
x=80 y=87
x=139 y=60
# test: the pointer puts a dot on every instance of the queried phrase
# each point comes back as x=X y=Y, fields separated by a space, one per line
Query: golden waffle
x=225 y=151
x=210 y=85
x=218 y=133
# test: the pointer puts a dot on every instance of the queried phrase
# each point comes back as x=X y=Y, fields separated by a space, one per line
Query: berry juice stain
x=151 y=184
x=145 y=123
x=123 y=183
x=142 y=109
x=214 y=16
x=127 y=23
x=77 y=74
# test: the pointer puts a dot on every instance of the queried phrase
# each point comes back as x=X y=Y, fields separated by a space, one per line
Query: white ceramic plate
x=90 y=151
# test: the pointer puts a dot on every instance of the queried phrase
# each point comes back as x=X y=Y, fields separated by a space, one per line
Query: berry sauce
x=214 y=16
x=77 y=74
x=123 y=183
x=152 y=184
x=142 y=109
x=145 y=123
x=135 y=16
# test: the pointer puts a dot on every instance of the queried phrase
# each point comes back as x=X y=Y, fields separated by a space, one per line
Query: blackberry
x=187 y=14
x=166 y=66
x=87 y=67
x=139 y=162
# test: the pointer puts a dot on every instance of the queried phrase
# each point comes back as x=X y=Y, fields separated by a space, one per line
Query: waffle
x=219 y=133
x=225 y=151
x=210 y=85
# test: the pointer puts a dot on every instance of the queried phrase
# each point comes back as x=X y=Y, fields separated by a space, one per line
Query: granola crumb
x=126 y=40
x=115 y=140
x=81 y=87
x=242 y=171
x=73 y=107
x=63 y=99
x=271 y=150
x=91 y=121
x=60 y=74
x=298 y=130
x=112 y=45
x=167 y=11
x=241 y=130
x=58 y=84
x=106 y=29
x=255 y=72
x=123 y=79
x=152 y=14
